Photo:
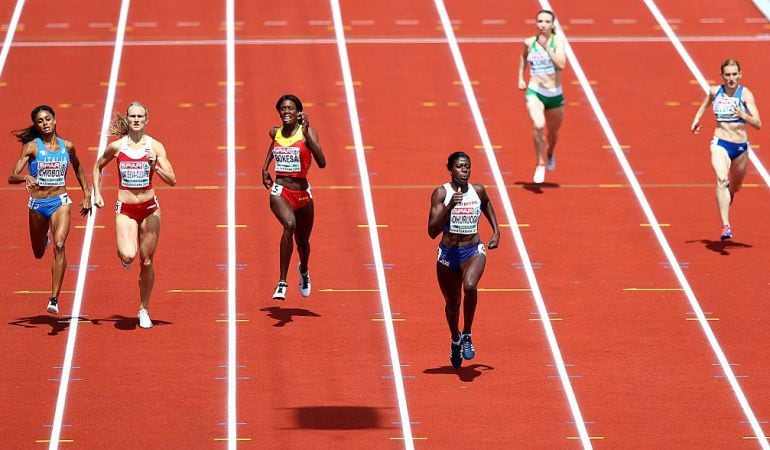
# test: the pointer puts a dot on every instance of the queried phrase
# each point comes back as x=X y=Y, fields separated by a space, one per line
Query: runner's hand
x=267 y=180
x=98 y=201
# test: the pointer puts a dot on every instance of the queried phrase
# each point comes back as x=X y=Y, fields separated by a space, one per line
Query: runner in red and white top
x=137 y=219
x=294 y=146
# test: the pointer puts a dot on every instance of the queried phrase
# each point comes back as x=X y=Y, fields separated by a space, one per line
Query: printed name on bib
x=51 y=173
x=724 y=107
x=464 y=218
x=287 y=159
x=135 y=174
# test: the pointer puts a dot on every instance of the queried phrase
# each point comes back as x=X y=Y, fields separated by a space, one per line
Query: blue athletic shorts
x=734 y=149
x=47 y=206
x=453 y=257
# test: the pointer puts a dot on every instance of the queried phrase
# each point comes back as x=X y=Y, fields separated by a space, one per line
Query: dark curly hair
x=31 y=132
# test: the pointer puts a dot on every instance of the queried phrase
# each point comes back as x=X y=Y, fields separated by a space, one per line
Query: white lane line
x=721 y=357
x=9 y=34
x=755 y=20
x=319 y=23
x=145 y=24
x=361 y=22
x=57 y=25
x=581 y=21
x=77 y=301
x=275 y=23
x=656 y=228
x=624 y=21
x=232 y=339
x=188 y=24
x=407 y=22
x=698 y=75
x=763 y=6
x=511 y=217
x=366 y=190
x=493 y=21
x=711 y=20
x=386 y=41
x=99 y=25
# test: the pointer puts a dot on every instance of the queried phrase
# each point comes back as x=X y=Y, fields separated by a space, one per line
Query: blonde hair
x=119 y=126
x=730 y=62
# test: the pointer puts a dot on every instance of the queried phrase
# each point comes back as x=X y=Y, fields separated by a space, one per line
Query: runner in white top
x=456 y=208
x=137 y=218
x=545 y=55
x=734 y=107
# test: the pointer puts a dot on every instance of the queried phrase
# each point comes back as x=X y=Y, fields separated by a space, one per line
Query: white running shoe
x=550 y=163
x=144 y=319
x=280 y=291
x=539 y=175
x=53 y=306
x=304 y=282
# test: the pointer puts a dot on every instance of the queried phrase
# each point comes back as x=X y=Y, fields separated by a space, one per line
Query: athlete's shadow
x=466 y=373
x=286 y=315
x=57 y=324
x=721 y=247
x=127 y=323
x=537 y=188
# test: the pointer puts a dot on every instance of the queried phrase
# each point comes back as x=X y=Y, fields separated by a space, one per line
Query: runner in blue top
x=456 y=208
x=48 y=157
x=734 y=107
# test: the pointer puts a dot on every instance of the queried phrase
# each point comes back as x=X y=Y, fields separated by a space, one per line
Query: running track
x=319 y=371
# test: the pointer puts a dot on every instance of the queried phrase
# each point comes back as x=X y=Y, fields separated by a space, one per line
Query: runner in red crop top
x=137 y=218
x=294 y=145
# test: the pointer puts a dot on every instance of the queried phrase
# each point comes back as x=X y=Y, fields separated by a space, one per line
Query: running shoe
x=144 y=319
x=456 y=354
x=539 y=175
x=550 y=164
x=727 y=233
x=469 y=351
x=304 y=282
x=53 y=306
x=280 y=291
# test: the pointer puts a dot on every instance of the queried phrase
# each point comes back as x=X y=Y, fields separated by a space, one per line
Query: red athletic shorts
x=137 y=211
x=297 y=199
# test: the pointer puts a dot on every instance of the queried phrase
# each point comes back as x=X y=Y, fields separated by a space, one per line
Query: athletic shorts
x=297 y=199
x=734 y=149
x=137 y=211
x=453 y=257
x=549 y=102
x=47 y=206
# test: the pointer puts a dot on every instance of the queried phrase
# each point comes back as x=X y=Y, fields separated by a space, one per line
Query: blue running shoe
x=456 y=355
x=469 y=351
x=727 y=233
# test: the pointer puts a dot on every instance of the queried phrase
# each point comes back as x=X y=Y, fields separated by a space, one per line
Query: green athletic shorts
x=548 y=102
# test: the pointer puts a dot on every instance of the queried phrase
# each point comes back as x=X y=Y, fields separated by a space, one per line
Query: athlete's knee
x=302 y=244
x=452 y=306
x=723 y=183
x=58 y=247
x=470 y=287
x=538 y=127
x=126 y=257
x=290 y=226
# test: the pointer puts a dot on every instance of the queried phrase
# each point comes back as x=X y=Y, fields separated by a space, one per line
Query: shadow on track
x=720 y=247
x=466 y=373
x=535 y=187
x=286 y=315
x=59 y=324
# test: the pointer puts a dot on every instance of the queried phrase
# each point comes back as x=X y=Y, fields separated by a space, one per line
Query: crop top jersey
x=724 y=105
x=464 y=216
x=539 y=61
x=133 y=165
x=291 y=154
x=49 y=168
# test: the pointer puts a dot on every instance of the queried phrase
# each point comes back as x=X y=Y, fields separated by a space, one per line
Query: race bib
x=287 y=159
x=134 y=174
x=51 y=173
